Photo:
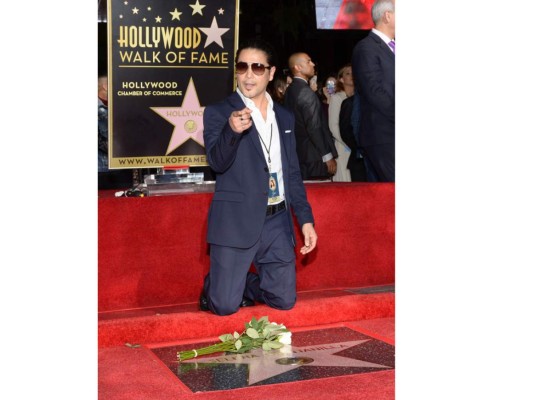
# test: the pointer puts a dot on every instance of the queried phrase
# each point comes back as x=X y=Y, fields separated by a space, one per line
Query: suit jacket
x=373 y=67
x=313 y=137
x=238 y=209
x=355 y=161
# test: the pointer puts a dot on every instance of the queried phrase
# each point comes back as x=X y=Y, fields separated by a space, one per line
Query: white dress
x=334 y=109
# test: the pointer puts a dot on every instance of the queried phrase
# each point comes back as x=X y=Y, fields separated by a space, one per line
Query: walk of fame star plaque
x=313 y=354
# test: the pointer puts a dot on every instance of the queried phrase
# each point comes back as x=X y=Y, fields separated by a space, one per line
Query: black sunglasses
x=257 y=68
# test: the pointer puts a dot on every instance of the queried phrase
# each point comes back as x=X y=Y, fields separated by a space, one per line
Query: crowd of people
x=348 y=134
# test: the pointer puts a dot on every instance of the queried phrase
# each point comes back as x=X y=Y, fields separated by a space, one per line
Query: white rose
x=285 y=338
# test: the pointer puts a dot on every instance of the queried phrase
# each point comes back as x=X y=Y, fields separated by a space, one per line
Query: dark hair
x=279 y=82
x=259 y=44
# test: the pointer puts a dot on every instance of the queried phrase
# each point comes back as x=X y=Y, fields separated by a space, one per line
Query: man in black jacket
x=314 y=141
x=355 y=161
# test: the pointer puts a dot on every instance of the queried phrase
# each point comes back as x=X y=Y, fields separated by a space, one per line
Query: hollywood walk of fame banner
x=168 y=59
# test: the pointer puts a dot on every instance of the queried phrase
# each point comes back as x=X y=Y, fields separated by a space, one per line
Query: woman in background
x=277 y=87
x=344 y=88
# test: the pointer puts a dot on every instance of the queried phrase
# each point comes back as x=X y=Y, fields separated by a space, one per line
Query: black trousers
x=381 y=158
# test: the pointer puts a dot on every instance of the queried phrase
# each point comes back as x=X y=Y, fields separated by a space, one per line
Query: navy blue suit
x=373 y=68
x=238 y=227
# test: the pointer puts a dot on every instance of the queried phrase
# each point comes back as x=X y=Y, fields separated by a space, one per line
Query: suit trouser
x=381 y=158
x=274 y=259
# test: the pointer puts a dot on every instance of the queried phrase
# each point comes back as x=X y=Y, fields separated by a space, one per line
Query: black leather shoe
x=203 y=303
x=246 y=302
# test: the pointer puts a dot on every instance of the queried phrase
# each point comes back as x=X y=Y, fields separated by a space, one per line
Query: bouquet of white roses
x=257 y=333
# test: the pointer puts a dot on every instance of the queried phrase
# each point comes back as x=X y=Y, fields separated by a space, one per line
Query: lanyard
x=269 y=145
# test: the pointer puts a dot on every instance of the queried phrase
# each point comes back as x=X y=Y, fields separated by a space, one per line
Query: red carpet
x=191 y=323
x=152 y=260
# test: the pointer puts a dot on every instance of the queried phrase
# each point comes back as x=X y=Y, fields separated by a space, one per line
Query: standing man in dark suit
x=373 y=72
x=314 y=142
x=250 y=145
x=356 y=163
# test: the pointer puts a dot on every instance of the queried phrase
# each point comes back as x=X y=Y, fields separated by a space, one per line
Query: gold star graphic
x=197 y=8
x=175 y=14
x=158 y=19
x=135 y=10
